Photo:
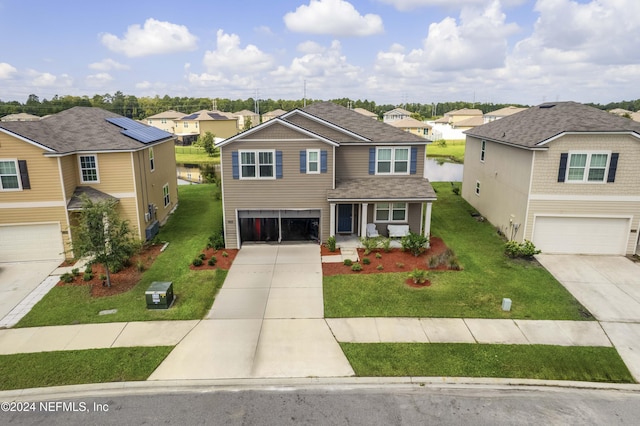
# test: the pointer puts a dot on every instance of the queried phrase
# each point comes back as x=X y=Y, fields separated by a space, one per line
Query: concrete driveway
x=19 y=279
x=608 y=286
x=266 y=321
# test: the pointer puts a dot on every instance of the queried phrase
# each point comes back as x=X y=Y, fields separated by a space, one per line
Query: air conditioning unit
x=147 y=217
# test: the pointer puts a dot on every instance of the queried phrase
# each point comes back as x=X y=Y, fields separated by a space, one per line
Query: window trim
x=166 y=196
x=587 y=167
x=483 y=150
x=392 y=170
x=318 y=161
x=152 y=159
x=257 y=164
x=17 y=167
x=95 y=156
x=477 y=189
x=390 y=210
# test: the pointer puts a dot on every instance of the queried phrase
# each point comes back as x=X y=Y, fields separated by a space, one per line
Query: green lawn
x=194 y=155
x=22 y=371
x=475 y=292
x=199 y=215
x=453 y=150
x=591 y=364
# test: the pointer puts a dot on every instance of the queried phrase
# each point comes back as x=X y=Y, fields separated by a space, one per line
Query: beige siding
x=588 y=208
x=294 y=191
x=504 y=183
x=221 y=129
x=277 y=132
x=70 y=174
x=353 y=161
x=320 y=128
x=114 y=173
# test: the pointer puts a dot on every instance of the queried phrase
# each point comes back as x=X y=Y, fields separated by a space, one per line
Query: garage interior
x=275 y=226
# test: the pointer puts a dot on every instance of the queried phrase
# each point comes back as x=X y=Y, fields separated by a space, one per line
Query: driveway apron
x=266 y=321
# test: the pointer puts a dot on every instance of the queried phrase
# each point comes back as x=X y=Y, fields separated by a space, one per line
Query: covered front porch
x=380 y=206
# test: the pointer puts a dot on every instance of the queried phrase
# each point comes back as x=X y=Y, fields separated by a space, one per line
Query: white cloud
x=108 y=65
x=6 y=71
x=229 y=57
x=156 y=37
x=310 y=47
x=98 y=80
x=332 y=17
x=45 y=79
x=405 y=5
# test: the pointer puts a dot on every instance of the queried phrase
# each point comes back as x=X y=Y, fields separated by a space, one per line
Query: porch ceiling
x=383 y=188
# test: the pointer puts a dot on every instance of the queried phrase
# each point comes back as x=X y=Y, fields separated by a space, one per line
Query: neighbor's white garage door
x=30 y=242
x=581 y=235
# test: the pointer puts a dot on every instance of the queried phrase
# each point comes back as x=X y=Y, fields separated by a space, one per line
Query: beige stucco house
x=412 y=125
x=458 y=115
x=46 y=165
x=165 y=120
x=221 y=124
x=322 y=171
x=395 y=114
x=563 y=175
x=272 y=114
x=247 y=119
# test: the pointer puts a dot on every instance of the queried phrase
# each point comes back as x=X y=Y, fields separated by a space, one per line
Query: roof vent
x=547 y=105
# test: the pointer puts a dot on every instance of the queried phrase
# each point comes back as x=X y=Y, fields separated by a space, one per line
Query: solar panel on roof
x=138 y=131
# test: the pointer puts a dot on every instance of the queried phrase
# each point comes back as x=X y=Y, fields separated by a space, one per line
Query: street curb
x=275 y=384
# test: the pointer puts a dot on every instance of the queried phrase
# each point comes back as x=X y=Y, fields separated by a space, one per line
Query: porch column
x=427 y=221
x=363 y=220
x=332 y=219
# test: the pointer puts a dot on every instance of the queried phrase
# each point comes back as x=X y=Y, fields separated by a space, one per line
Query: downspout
x=64 y=198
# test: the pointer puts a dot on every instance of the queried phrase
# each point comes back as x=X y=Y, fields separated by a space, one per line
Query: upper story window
x=9 y=179
x=88 y=168
x=257 y=164
x=163 y=121
x=392 y=161
x=165 y=194
x=477 y=187
x=587 y=167
x=149 y=122
x=313 y=161
x=186 y=124
x=482 y=150
x=152 y=161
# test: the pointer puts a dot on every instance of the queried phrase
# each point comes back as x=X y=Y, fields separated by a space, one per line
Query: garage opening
x=279 y=225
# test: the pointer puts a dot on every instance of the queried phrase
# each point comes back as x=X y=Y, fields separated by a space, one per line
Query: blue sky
x=388 y=51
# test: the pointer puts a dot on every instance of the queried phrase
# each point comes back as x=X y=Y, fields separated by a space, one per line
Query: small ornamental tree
x=102 y=236
x=207 y=141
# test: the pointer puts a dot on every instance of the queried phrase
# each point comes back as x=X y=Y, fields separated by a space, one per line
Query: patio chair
x=372 y=231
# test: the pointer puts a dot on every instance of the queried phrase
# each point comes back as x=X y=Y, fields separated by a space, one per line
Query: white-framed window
x=152 y=161
x=149 y=122
x=185 y=124
x=163 y=121
x=483 y=147
x=165 y=194
x=391 y=212
x=313 y=161
x=588 y=166
x=257 y=164
x=9 y=175
x=196 y=124
x=392 y=161
x=478 y=187
x=88 y=168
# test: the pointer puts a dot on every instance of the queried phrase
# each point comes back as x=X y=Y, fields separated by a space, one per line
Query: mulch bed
x=396 y=260
x=121 y=281
x=222 y=262
x=324 y=251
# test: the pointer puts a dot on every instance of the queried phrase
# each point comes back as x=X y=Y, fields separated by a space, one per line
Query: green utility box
x=159 y=295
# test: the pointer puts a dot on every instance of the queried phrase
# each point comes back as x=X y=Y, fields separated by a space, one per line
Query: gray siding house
x=322 y=171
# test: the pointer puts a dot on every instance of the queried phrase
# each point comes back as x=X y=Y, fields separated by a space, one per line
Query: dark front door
x=345 y=218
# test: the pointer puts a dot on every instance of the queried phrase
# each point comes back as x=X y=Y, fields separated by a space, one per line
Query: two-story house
x=165 y=120
x=562 y=175
x=322 y=171
x=47 y=165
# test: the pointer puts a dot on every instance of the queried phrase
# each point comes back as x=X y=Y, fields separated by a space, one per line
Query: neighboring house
x=47 y=165
x=412 y=125
x=23 y=116
x=366 y=113
x=455 y=116
x=395 y=114
x=221 y=124
x=563 y=175
x=501 y=113
x=247 y=119
x=165 y=120
x=272 y=114
x=468 y=123
x=322 y=171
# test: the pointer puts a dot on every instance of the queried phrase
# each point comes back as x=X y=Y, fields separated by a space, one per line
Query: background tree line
x=142 y=107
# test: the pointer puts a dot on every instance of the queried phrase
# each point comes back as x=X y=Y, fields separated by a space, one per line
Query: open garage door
x=31 y=242
x=279 y=225
x=581 y=235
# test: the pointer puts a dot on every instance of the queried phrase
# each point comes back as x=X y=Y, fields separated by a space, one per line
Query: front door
x=345 y=218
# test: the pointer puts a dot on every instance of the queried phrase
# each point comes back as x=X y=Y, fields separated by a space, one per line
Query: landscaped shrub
x=87 y=276
x=140 y=266
x=418 y=276
x=454 y=264
x=103 y=277
x=356 y=267
x=212 y=261
x=347 y=262
x=88 y=268
x=216 y=241
x=370 y=244
x=400 y=265
x=225 y=254
x=380 y=267
x=434 y=262
x=331 y=243
x=366 y=261
x=415 y=243
x=525 y=249
x=66 y=278
x=202 y=256
x=75 y=272
x=378 y=256
x=386 y=244
x=197 y=262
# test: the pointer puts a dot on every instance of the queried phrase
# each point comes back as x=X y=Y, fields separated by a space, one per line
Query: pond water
x=443 y=171
x=196 y=173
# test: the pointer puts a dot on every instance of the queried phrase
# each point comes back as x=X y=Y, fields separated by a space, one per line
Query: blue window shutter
x=613 y=165
x=323 y=161
x=24 y=174
x=303 y=161
x=562 y=171
x=278 y=164
x=372 y=161
x=235 y=168
x=414 y=160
